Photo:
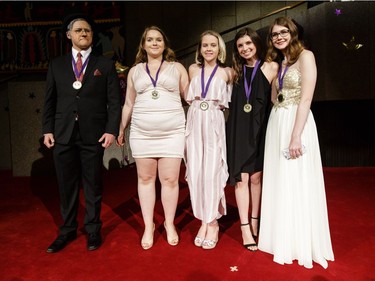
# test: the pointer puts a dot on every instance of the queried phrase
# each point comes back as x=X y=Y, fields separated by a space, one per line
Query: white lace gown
x=294 y=219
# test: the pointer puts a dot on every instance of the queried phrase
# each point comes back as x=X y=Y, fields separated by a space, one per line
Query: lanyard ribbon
x=248 y=85
x=77 y=72
x=281 y=77
x=157 y=74
x=204 y=91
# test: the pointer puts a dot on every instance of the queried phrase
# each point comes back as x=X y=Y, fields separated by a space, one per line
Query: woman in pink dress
x=155 y=86
x=205 y=153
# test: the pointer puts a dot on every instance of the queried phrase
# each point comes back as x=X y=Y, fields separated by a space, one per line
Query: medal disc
x=204 y=106
x=155 y=94
x=77 y=85
x=247 y=107
x=280 y=97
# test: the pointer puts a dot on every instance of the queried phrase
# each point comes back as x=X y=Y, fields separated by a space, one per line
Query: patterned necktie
x=79 y=66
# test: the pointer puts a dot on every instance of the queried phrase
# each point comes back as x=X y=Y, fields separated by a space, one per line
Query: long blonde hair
x=199 y=60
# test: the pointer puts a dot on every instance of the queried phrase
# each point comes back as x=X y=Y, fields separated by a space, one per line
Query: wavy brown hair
x=295 y=47
x=168 y=53
x=239 y=61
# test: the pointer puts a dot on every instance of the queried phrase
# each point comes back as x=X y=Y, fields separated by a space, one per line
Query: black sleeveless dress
x=246 y=131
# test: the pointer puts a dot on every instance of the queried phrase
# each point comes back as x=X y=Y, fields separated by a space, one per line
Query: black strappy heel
x=251 y=244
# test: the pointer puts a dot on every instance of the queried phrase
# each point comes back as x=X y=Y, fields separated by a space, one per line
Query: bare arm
x=128 y=107
x=270 y=70
x=184 y=80
x=273 y=91
x=230 y=74
x=308 y=70
x=193 y=69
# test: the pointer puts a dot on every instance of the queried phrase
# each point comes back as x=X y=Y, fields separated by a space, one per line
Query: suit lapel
x=70 y=74
x=90 y=67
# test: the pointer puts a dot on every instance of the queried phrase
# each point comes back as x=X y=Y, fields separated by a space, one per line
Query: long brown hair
x=295 y=47
x=239 y=61
x=168 y=53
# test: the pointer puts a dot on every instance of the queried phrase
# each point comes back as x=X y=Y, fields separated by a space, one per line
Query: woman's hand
x=295 y=148
x=120 y=141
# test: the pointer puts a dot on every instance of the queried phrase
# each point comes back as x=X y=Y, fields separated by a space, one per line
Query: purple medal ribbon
x=248 y=86
x=281 y=77
x=204 y=91
x=78 y=74
x=157 y=74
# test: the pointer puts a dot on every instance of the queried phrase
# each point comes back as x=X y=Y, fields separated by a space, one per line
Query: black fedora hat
x=69 y=18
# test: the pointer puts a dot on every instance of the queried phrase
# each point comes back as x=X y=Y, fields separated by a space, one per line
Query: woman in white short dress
x=153 y=105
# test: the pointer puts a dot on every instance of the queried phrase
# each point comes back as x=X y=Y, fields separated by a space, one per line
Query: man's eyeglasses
x=283 y=33
x=80 y=30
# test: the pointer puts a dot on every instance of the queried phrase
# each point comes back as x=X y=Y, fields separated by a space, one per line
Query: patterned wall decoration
x=31 y=34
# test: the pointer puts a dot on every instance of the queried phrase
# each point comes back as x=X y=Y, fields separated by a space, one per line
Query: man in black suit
x=81 y=118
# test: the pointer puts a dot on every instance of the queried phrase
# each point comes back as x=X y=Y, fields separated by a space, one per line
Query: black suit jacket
x=97 y=103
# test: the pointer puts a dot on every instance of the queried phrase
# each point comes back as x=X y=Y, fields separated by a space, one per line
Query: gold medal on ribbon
x=247 y=107
x=77 y=85
x=280 y=98
x=155 y=94
x=204 y=105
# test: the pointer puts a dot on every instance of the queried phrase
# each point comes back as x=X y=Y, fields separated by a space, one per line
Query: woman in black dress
x=246 y=127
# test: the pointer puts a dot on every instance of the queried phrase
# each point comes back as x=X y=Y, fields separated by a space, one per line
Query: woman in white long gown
x=294 y=219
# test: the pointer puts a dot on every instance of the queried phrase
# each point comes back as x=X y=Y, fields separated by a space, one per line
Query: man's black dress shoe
x=61 y=241
x=94 y=241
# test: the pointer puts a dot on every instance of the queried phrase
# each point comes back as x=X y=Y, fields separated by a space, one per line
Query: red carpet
x=29 y=219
